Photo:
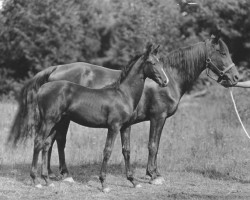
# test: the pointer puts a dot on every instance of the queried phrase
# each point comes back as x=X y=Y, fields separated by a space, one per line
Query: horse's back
x=85 y=74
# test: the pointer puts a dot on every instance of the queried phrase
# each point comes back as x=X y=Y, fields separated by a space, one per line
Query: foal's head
x=153 y=68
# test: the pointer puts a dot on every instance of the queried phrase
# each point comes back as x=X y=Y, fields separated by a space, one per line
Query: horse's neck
x=187 y=65
x=132 y=85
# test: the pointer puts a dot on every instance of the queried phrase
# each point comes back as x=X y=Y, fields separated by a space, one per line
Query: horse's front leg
x=112 y=133
x=125 y=140
x=156 y=126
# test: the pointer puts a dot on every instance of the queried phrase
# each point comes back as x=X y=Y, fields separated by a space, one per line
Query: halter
x=210 y=65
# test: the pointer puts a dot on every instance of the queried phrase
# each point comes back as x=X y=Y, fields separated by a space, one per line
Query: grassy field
x=203 y=138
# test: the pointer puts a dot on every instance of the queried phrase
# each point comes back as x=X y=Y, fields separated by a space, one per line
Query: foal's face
x=154 y=70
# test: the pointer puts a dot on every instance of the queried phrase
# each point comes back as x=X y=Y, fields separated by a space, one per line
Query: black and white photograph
x=124 y=99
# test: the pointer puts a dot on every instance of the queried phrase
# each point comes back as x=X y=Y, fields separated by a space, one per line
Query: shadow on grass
x=80 y=173
x=214 y=174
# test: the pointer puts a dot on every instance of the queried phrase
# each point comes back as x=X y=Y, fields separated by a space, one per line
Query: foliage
x=36 y=34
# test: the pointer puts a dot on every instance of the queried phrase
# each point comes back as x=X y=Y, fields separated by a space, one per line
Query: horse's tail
x=25 y=121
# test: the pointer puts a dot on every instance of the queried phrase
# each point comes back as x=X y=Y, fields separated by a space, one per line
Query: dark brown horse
x=111 y=107
x=156 y=104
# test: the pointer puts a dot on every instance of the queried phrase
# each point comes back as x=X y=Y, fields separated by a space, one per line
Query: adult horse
x=111 y=107
x=156 y=104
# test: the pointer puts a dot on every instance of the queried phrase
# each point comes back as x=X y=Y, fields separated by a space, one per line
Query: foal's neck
x=133 y=83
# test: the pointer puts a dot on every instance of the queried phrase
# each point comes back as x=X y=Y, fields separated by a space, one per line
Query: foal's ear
x=155 y=51
x=148 y=48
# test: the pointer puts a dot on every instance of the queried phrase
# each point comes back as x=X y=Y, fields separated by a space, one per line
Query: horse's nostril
x=236 y=78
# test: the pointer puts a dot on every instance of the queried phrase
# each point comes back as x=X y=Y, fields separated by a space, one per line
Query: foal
x=111 y=107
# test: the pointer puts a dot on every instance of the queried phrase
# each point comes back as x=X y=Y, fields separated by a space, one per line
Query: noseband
x=210 y=65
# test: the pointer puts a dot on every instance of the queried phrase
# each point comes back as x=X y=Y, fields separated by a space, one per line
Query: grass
x=204 y=136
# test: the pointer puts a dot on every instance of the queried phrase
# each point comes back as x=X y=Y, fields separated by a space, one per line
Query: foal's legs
x=125 y=140
x=112 y=133
x=61 y=133
x=40 y=143
x=156 y=126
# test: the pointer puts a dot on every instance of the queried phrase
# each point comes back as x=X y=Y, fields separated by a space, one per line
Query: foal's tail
x=25 y=120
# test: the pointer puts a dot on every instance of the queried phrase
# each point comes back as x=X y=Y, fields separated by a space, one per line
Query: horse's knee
x=125 y=152
x=152 y=148
x=107 y=153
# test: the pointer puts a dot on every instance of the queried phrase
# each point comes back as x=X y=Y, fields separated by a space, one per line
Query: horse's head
x=154 y=66
x=219 y=63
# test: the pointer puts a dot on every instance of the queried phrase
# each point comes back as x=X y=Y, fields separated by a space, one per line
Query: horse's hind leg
x=50 y=172
x=37 y=148
x=62 y=129
x=125 y=140
x=112 y=133
x=46 y=146
x=60 y=137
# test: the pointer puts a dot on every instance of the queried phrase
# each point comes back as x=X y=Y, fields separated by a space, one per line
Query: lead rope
x=231 y=93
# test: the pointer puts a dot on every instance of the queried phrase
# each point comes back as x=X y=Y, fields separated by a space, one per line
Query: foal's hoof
x=38 y=186
x=69 y=179
x=157 y=181
x=138 y=185
x=106 y=190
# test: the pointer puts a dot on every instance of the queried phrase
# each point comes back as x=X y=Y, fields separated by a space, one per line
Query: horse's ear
x=155 y=51
x=216 y=36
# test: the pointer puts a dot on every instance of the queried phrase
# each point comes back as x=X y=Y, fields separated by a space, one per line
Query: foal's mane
x=187 y=60
x=125 y=70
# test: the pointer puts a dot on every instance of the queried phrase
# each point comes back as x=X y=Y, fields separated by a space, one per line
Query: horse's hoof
x=51 y=185
x=106 y=190
x=52 y=176
x=69 y=179
x=38 y=186
x=157 y=181
x=138 y=186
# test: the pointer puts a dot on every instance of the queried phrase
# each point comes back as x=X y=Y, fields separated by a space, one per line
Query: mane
x=187 y=60
x=125 y=70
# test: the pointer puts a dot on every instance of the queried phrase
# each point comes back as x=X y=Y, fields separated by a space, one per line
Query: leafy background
x=37 y=34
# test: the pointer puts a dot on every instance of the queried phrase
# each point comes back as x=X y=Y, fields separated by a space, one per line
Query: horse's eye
x=222 y=53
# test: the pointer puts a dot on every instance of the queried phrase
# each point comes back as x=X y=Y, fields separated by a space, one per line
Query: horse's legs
x=61 y=133
x=46 y=145
x=51 y=173
x=125 y=140
x=62 y=130
x=156 y=126
x=112 y=133
x=37 y=148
